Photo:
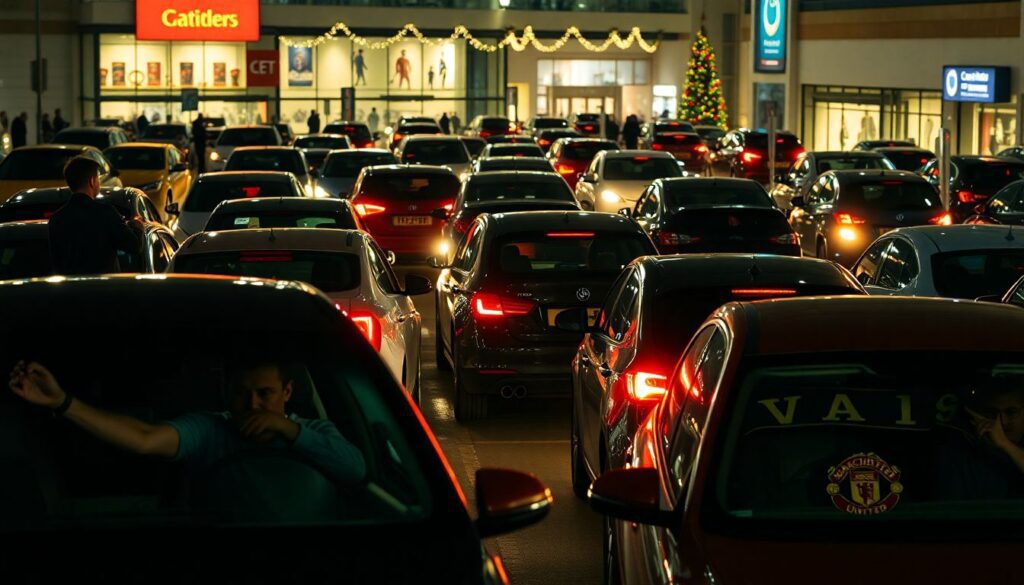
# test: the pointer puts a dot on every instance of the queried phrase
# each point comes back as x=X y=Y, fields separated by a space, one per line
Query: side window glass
x=159 y=254
x=623 y=313
x=470 y=251
x=679 y=387
x=1017 y=298
x=650 y=208
x=609 y=302
x=378 y=268
x=899 y=267
x=866 y=270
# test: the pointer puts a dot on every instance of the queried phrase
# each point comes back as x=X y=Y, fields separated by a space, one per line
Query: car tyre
x=580 y=478
x=468 y=407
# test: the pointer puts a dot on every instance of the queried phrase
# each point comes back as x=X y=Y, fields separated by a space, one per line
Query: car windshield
x=205 y=195
x=248 y=219
x=890 y=195
x=515 y=150
x=348 y=165
x=45 y=164
x=356 y=466
x=640 y=168
x=853 y=444
x=991 y=174
x=909 y=161
x=557 y=252
x=690 y=193
x=98 y=139
x=411 y=186
x=586 y=150
x=248 y=137
x=331 y=142
x=328 y=271
x=418 y=129
x=976 y=273
x=845 y=163
x=356 y=132
x=137 y=159
x=266 y=160
x=25 y=258
x=516 y=188
x=163 y=132
x=435 y=152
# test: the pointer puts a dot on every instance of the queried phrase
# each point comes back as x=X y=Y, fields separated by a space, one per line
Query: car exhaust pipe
x=520 y=392
x=507 y=392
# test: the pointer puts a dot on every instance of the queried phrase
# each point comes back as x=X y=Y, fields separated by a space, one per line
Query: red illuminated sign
x=197 y=20
x=261 y=67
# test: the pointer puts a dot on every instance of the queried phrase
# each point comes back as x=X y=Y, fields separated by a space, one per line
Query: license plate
x=684 y=155
x=592 y=313
x=413 y=220
x=782 y=165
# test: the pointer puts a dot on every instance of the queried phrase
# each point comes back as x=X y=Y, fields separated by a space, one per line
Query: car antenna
x=272 y=238
x=754 y=270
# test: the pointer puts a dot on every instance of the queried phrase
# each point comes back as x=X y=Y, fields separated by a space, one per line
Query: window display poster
x=438 y=67
x=153 y=74
x=220 y=74
x=103 y=76
x=376 y=70
x=185 y=71
x=300 y=67
x=406 y=65
x=117 y=74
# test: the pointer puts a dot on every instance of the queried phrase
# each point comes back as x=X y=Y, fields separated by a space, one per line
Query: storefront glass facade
x=617 y=86
x=837 y=118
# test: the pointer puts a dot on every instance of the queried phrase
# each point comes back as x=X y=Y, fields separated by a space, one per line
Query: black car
x=341 y=167
x=512 y=163
x=545 y=138
x=283 y=212
x=1012 y=152
x=973 y=179
x=535 y=125
x=1005 y=207
x=873 y=144
x=388 y=511
x=906 y=158
x=510 y=278
x=744 y=153
x=131 y=203
x=316 y=147
x=701 y=215
x=504 y=191
x=511 y=139
x=529 y=149
x=587 y=124
x=358 y=133
x=845 y=211
x=474 y=145
x=621 y=369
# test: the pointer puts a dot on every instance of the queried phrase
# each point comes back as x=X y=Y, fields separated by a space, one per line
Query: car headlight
x=848 y=234
x=609 y=196
x=319 y=191
x=150 y=186
x=214 y=155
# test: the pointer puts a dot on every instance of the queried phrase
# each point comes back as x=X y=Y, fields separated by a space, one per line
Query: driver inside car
x=257 y=397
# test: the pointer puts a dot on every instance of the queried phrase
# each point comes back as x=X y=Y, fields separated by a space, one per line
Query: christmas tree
x=702 y=101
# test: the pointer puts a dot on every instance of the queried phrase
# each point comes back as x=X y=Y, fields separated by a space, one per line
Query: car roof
x=763 y=131
x=40 y=195
x=431 y=137
x=980 y=159
x=238 y=175
x=851 y=176
x=26 y=229
x=177 y=124
x=635 y=153
x=359 y=151
x=875 y=323
x=431 y=125
x=285 y=203
x=308 y=239
x=279 y=147
x=322 y=135
x=700 y=270
x=407 y=169
x=898 y=149
x=76 y=147
x=95 y=129
x=846 y=153
x=521 y=221
x=346 y=123
x=503 y=176
x=160 y=145
x=955 y=238
x=239 y=126
x=713 y=181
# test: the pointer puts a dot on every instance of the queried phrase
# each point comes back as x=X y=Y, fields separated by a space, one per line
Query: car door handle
x=604 y=370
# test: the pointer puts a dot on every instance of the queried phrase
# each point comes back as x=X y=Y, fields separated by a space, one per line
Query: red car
x=572 y=156
x=687 y=147
x=395 y=204
x=829 y=440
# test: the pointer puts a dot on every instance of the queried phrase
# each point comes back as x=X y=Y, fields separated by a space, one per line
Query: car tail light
x=674 y=239
x=797 y=152
x=251 y=192
x=750 y=157
x=367 y=144
x=588 y=128
x=487 y=305
x=641 y=158
x=646 y=386
x=397 y=137
x=570 y=234
x=565 y=169
x=942 y=219
x=485 y=134
x=368 y=209
x=657 y=146
x=762 y=293
x=544 y=142
x=848 y=219
x=701 y=148
x=790 y=239
x=367 y=324
x=966 y=196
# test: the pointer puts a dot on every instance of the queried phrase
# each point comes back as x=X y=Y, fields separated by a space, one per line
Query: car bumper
x=540 y=371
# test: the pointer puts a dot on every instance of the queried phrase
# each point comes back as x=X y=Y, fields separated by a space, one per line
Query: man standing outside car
x=86 y=234
x=199 y=143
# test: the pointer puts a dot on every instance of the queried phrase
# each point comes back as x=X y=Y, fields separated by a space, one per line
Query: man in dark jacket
x=59 y=123
x=141 y=123
x=86 y=234
x=631 y=132
x=313 y=123
x=19 y=131
x=199 y=143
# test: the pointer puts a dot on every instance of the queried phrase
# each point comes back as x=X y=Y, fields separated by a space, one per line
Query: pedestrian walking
x=19 y=130
x=456 y=123
x=445 y=123
x=59 y=123
x=199 y=143
x=85 y=234
x=313 y=122
x=611 y=129
x=631 y=131
x=141 y=123
x=373 y=120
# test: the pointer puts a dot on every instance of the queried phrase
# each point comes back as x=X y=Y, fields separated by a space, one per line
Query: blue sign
x=967 y=83
x=770 y=24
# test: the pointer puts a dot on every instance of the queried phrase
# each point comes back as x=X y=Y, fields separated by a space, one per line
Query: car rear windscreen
x=494 y=124
x=586 y=150
x=760 y=141
x=243 y=219
x=566 y=251
x=690 y=193
x=640 y=168
x=517 y=188
x=418 y=129
x=474 y=145
x=729 y=224
x=98 y=139
x=540 y=123
x=162 y=132
x=348 y=165
x=357 y=132
x=266 y=160
x=976 y=273
x=893 y=195
x=435 y=152
x=206 y=195
x=248 y=137
x=35 y=165
x=515 y=164
x=25 y=258
x=660 y=127
x=679 y=139
x=11 y=211
x=909 y=161
x=515 y=150
x=847 y=163
x=328 y=271
x=410 y=186
x=321 y=142
x=991 y=174
x=137 y=159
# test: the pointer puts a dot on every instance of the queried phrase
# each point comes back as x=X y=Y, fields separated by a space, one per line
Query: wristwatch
x=64 y=406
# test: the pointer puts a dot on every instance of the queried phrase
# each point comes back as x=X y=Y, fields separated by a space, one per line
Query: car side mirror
x=179 y=168
x=797 y=201
x=437 y=262
x=417 y=285
x=633 y=495
x=626 y=212
x=573 y=320
x=390 y=257
x=508 y=500
x=439 y=213
x=172 y=208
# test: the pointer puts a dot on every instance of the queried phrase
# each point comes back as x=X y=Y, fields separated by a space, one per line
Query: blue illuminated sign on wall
x=770 y=36
x=967 y=83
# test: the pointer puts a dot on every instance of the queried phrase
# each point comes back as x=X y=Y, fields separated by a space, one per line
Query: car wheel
x=442 y=362
x=580 y=478
x=468 y=407
x=611 y=554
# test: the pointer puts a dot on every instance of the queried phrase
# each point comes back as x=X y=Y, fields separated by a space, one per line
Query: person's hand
x=990 y=430
x=35 y=384
x=262 y=426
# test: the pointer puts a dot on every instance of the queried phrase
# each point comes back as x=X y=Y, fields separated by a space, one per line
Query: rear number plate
x=782 y=165
x=592 y=313
x=413 y=220
x=683 y=155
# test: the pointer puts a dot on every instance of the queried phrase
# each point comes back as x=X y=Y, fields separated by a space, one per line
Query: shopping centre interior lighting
x=511 y=39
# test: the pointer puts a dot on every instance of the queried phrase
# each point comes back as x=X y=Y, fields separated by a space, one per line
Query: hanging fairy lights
x=510 y=40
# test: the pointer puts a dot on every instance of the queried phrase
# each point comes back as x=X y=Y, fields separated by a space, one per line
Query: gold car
x=43 y=166
x=158 y=169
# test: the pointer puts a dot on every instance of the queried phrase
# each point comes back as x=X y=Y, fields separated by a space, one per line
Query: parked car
x=616 y=178
x=810 y=165
x=744 y=154
x=158 y=169
x=341 y=168
x=101 y=138
x=973 y=179
x=234 y=136
x=42 y=166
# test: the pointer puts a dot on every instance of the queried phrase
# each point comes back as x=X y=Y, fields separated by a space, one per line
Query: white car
x=209 y=189
x=347 y=265
x=960 y=261
x=442 y=151
x=617 y=178
x=234 y=136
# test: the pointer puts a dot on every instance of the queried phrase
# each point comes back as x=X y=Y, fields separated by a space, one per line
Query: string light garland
x=510 y=40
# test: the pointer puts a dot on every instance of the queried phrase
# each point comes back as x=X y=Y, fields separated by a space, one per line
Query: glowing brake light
x=646 y=386
x=397 y=137
x=484 y=134
x=657 y=146
x=966 y=196
x=641 y=158
x=797 y=152
x=848 y=219
x=750 y=157
x=367 y=324
x=942 y=219
x=701 y=148
x=570 y=234
x=565 y=170
x=544 y=142
x=368 y=209
x=251 y=191
x=487 y=305
x=762 y=292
